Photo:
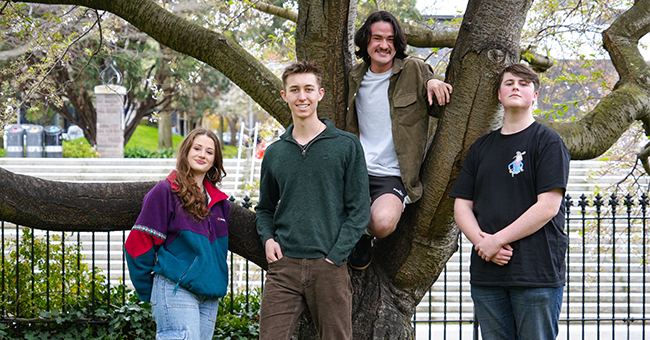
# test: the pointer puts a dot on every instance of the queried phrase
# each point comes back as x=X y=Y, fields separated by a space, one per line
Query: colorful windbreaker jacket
x=168 y=241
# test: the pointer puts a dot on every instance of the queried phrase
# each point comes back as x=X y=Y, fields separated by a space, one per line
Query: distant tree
x=97 y=53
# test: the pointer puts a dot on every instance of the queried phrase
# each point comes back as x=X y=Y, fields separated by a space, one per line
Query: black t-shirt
x=502 y=175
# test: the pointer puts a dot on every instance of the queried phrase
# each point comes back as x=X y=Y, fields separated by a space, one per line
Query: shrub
x=114 y=314
x=242 y=321
x=141 y=152
x=40 y=275
x=3 y=153
x=48 y=284
x=79 y=148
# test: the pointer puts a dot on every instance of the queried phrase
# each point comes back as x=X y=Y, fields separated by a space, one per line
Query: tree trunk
x=322 y=28
x=86 y=116
x=232 y=123
x=147 y=105
x=222 y=121
x=165 y=131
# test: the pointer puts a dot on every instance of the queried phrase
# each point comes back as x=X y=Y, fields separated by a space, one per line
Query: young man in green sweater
x=313 y=208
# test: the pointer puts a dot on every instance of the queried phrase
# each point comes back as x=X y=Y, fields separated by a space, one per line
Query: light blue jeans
x=181 y=314
x=517 y=312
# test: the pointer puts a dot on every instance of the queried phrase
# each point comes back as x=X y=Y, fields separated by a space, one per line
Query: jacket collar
x=215 y=194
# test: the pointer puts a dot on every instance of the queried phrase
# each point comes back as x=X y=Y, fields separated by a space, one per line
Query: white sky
x=441 y=7
x=457 y=7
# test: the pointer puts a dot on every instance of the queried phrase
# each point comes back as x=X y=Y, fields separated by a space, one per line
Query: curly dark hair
x=188 y=191
x=362 y=38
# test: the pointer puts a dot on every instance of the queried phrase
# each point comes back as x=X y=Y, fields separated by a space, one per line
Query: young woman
x=176 y=251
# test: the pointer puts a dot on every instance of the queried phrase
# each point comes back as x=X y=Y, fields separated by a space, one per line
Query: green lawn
x=146 y=137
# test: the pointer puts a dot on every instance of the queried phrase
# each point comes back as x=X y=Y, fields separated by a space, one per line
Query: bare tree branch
x=13 y=53
x=537 y=61
x=214 y=49
x=275 y=10
x=419 y=36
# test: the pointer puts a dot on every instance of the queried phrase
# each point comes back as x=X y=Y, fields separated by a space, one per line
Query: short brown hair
x=520 y=70
x=300 y=67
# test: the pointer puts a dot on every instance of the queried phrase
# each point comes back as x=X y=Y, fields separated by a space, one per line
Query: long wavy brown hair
x=188 y=191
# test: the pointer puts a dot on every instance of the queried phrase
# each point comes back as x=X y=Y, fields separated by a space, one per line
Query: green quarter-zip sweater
x=314 y=199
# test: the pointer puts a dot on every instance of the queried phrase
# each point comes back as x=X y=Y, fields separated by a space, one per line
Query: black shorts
x=386 y=185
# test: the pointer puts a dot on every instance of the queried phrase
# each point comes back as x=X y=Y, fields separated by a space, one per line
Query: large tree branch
x=537 y=62
x=621 y=40
x=30 y=201
x=214 y=49
x=70 y=206
x=592 y=135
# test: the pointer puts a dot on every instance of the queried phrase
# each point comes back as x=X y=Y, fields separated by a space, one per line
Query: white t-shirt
x=375 y=130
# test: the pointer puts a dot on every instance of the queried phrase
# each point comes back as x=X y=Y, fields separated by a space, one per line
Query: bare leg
x=385 y=212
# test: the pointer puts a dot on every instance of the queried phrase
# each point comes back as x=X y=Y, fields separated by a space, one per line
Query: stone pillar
x=110 y=135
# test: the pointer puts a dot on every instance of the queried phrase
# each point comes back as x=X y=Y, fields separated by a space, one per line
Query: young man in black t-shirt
x=509 y=203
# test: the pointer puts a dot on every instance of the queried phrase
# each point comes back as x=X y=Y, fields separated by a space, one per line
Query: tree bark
x=322 y=27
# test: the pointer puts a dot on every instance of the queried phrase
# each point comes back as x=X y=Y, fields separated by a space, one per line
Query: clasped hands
x=491 y=249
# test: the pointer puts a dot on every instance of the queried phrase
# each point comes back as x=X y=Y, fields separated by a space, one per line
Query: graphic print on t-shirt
x=517 y=165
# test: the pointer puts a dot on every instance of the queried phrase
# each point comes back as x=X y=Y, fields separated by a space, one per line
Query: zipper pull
x=210 y=224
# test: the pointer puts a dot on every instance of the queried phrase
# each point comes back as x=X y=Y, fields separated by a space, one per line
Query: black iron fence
x=607 y=275
x=605 y=296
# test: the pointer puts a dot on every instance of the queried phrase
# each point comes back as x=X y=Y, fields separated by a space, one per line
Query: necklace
x=314 y=136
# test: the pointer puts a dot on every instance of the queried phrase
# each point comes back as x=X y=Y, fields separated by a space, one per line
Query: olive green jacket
x=409 y=114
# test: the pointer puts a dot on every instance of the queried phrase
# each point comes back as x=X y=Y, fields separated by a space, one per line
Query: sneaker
x=361 y=254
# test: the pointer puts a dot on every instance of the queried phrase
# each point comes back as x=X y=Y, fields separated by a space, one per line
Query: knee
x=383 y=224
